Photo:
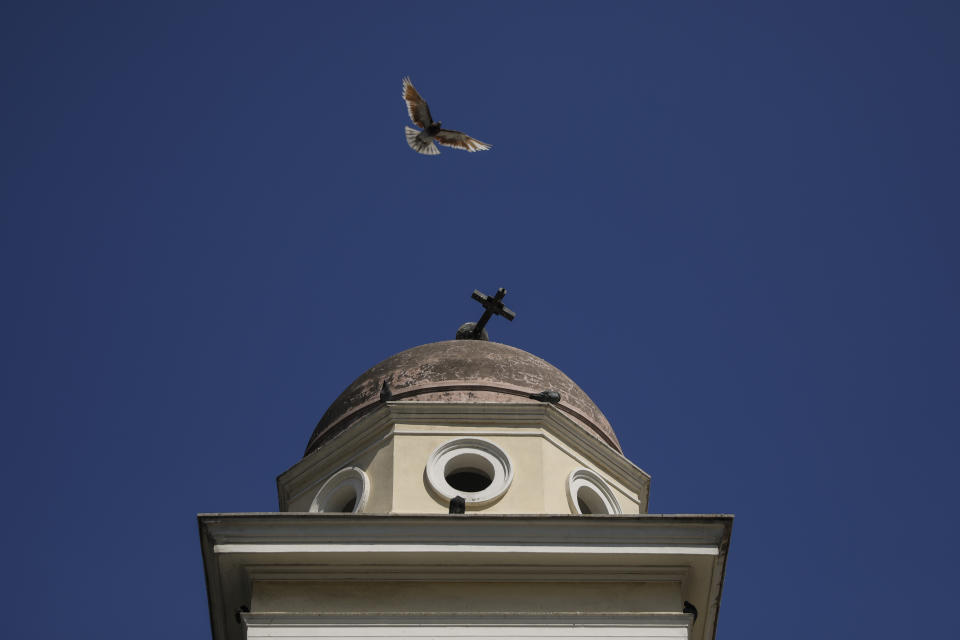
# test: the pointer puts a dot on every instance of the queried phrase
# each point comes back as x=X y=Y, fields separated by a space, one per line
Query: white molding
x=464 y=549
x=490 y=619
x=352 y=479
x=540 y=625
x=678 y=632
x=500 y=468
x=383 y=572
x=584 y=478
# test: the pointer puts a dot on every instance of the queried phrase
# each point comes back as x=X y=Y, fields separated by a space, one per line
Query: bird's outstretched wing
x=459 y=140
x=416 y=106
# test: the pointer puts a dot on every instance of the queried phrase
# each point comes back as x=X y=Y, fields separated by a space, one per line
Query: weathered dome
x=462 y=371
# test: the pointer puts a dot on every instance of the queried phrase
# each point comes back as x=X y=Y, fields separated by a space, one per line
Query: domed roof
x=462 y=371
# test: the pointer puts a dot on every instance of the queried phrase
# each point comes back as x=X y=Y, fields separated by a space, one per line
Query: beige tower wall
x=541 y=467
x=393 y=447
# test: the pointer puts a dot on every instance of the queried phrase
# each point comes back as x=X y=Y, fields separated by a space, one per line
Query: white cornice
x=533 y=625
x=241 y=548
x=279 y=528
x=496 y=619
x=348 y=548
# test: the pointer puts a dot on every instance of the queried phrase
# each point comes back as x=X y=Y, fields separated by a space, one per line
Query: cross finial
x=492 y=305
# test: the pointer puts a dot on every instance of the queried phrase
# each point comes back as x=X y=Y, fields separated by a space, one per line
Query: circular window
x=589 y=494
x=475 y=469
x=344 y=492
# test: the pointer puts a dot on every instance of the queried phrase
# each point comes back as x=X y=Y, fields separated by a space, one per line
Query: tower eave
x=243 y=550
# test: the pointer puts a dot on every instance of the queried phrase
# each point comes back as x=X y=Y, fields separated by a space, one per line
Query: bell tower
x=457 y=488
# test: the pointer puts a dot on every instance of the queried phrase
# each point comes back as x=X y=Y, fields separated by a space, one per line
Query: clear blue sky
x=736 y=227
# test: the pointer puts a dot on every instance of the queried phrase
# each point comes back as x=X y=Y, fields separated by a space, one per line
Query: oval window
x=589 y=494
x=344 y=492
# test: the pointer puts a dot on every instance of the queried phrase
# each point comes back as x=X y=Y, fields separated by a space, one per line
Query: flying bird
x=422 y=141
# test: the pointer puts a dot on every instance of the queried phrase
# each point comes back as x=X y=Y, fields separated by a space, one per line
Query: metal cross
x=492 y=306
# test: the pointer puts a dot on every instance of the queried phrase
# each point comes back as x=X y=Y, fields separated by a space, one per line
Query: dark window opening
x=348 y=508
x=584 y=507
x=468 y=480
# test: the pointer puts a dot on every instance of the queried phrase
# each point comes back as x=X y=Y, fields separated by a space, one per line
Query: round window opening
x=344 y=492
x=469 y=473
x=589 y=494
x=476 y=470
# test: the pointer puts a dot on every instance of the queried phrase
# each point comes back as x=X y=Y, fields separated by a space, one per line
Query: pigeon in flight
x=422 y=141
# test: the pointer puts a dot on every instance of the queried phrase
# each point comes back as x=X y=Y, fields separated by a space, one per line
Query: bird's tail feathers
x=420 y=145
